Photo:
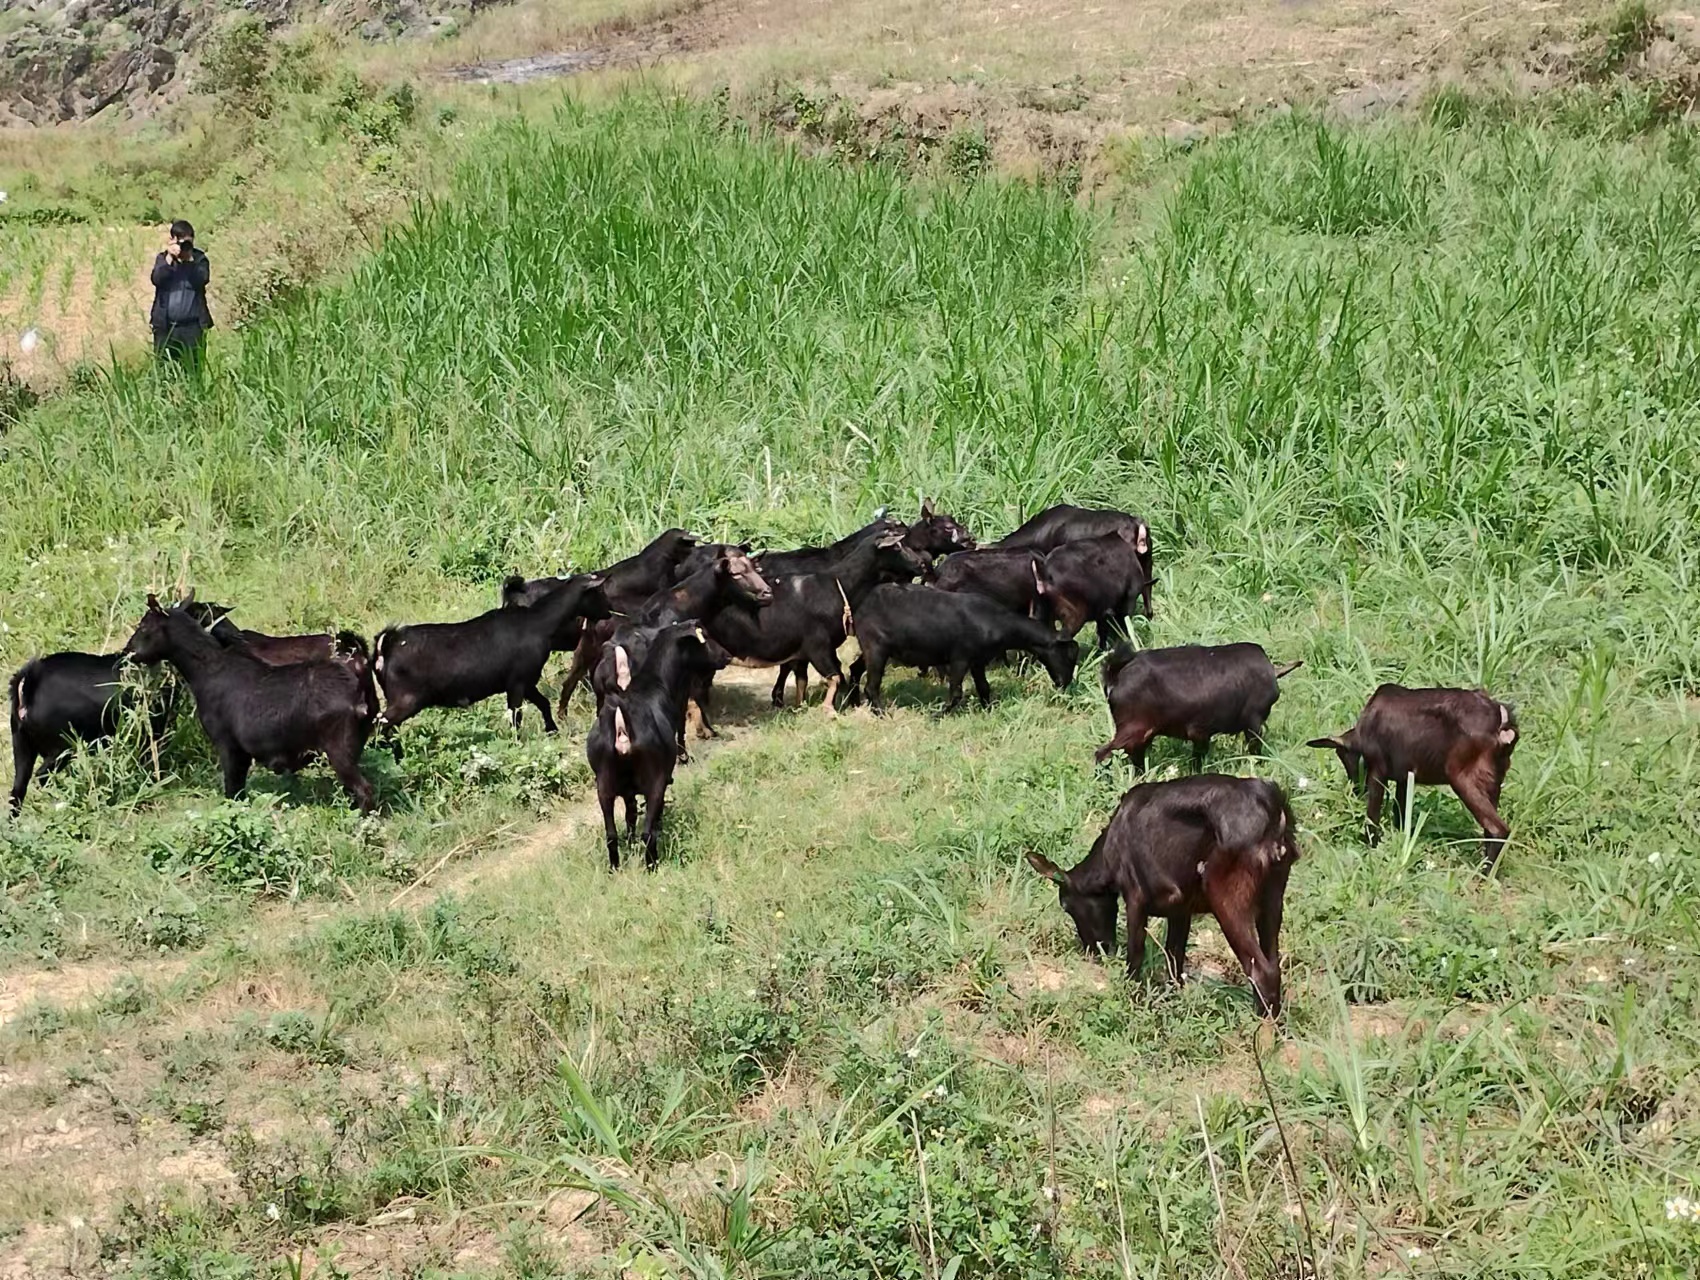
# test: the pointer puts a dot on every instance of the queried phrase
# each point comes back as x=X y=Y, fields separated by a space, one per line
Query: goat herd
x=651 y=631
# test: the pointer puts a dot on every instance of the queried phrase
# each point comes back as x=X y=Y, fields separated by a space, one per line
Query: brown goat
x=1177 y=849
x=1460 y=737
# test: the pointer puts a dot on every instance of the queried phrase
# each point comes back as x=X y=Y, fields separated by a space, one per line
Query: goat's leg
x=1272 y=902
x=875 y=681
x=1138 y=916
x=858 y=670
x=1235 y=903
x=233 y=763
x=605 y=798
x=702 y=693
x=1375 y=792
x=23 y=765
x=1174 y=946
x=1132 y=738
x=957 y=673
x=1254 y=743
x=516 y=708
x=532 y=694
x=982 y=687
x=654 y=800
x=344 y=757
x=585 y=653
x=1200 y=753
x=779 y=685
x=1478 y=788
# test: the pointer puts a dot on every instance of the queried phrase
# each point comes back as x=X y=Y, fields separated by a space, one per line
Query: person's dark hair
x=181 y=230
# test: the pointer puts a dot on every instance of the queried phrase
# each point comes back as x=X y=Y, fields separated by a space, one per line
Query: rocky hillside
x=66 y=60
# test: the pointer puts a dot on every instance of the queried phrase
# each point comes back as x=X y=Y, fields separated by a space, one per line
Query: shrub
x=237 y=64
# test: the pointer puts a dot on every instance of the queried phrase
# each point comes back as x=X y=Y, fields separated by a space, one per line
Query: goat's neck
x=194 y=653
x=692 y=597
x=1094 y=873
x=858 y=573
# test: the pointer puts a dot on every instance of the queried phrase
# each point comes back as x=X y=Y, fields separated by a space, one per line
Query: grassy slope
x=1414 y=403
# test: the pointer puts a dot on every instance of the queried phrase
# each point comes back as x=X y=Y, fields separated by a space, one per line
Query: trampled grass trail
x=1415 y=402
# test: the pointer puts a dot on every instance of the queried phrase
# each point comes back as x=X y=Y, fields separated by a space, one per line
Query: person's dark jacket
x=180 y=293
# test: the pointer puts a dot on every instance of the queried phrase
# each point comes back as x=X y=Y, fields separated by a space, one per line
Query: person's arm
x=200 y=271
x=162 y=269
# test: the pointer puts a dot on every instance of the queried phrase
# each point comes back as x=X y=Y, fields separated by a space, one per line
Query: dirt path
x=76 y=984
x=581 y=821
x=698 y=26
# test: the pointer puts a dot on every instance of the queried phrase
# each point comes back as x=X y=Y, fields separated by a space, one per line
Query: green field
x=1418 y=401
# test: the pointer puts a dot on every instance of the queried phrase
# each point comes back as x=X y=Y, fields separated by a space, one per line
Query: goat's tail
x=1287 y=668
x=1507 y=724
x=350 y=644
x=1117 y=659
x=622 y=735
x=15 y=694
x=381 y=648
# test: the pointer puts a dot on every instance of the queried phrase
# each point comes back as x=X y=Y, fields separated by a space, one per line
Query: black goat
x=731 y=578
x=1059 y=525
x=957 y=632
x=633 y=747
x=282 y=716
x=1192 y=692
x=627 y=584
x=811 y=614
x=454 y=664
x=1096 y=580
x=60 y=699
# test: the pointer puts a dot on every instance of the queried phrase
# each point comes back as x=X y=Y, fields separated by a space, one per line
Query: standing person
x=180 y=317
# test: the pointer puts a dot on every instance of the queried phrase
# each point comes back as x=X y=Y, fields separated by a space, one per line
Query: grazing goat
x=281 y=716
x=1192 y=692
x=1176 y=849
x=957 y=632
x=1461 y=737
x=454 y=664
x=633 y=747
x=811 y=614
x=60 y=699
x=1096 y=580
x=1056 y=526
x=345 y=646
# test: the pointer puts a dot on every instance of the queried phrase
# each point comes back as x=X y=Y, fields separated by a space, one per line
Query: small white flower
x=940 y=1091
x=1051 y=1194
x=75 y=1221
x=30 y=341
x=912 y=1054
x=1413 y=1253
x=1682 y=1209
x=273 y=1213
x=752 y=993
x=1304 y=782
x=1653 y=858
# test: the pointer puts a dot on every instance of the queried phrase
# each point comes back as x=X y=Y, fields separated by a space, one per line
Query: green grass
x=1416 y=403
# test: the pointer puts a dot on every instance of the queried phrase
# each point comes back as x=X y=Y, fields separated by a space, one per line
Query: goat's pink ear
x=1045 y=867
x=1331 y=744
